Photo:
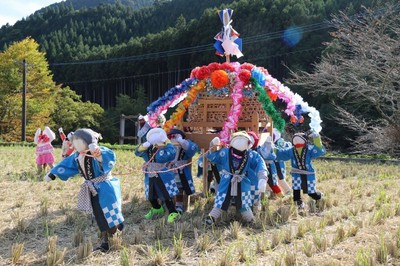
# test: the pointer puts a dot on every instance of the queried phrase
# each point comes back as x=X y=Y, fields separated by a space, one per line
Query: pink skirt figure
x=44 y=154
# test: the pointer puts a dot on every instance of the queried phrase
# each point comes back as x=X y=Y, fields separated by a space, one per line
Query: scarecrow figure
x=100 y=194
x=143 y=128
x=185 y=150
x=303 y=174
x=280 y=143
x=237 y=165
x=267 y=153
x=160 y=183
x=67 y=148
x=44 y=149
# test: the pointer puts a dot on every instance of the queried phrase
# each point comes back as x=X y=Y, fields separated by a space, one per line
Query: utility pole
x=23 y=137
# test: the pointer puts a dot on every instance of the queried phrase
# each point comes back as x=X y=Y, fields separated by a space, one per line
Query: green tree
x=125 y=105
x=41 y=90
x=72 y=113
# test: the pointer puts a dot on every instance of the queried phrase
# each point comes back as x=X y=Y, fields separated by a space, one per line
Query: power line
x=185 y=69
x=208 y=47
x=203 y=48
x=197 y=49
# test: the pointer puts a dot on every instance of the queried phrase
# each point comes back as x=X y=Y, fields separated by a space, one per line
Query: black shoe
x=179 y=209
x=121 y=226
x=209 y=221
x=104 y=247
x=322 y=196
x=300 y=205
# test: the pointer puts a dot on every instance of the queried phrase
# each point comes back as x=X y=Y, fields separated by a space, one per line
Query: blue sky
x=14 y=10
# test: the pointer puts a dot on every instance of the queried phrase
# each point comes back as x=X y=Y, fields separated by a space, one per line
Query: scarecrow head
x=82 y=138
x=240 y=142
x=156 y=136
x=175 y=134
x=299 y=140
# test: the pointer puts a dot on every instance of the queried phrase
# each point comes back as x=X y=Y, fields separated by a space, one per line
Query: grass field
x=356 y=224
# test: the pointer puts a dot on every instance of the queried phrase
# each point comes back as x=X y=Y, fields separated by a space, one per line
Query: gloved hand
x=146 y=144
x=316 y=138
x=178 y=138
x=313 y=134
x=48 y=177
x=215 y=142
x=280 y=143
x=183 y=142
x=70 y=135
x=266 y=147
x=94 y=149
x=262 y=185
x=163 y=138
x=60 y=130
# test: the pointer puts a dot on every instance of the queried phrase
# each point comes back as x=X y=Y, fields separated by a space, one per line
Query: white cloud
x=14 y=10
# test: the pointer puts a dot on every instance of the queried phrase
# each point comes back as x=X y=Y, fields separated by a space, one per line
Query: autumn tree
x=41 y=90
x=360 y=75
x=47 y=103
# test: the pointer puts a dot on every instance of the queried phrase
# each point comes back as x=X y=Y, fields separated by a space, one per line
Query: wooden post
x=228 y=58
x=23 y=134
x=122 y=129
x=205 y=173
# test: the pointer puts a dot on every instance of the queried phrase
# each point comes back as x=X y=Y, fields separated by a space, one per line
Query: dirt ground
x=357 y=223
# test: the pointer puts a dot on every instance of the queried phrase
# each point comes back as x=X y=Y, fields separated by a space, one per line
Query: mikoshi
x=237 y=81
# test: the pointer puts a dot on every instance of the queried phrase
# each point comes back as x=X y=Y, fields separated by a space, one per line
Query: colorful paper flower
x=228 y=67
x=245 y=76
x=247 y=66
x=231 y=79
x=181 y=109
x=272 y=95
x=203 y=73
x=219 y=79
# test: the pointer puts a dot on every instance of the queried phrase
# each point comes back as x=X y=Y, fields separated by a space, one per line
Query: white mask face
x=79 y=144
x=240 y=143
x=298 y=140
x=156 y=136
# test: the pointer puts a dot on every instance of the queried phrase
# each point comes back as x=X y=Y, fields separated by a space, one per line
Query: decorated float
x=221 y=98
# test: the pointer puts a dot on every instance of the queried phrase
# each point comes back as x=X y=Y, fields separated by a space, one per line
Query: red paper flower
x=293 y=119
x=228 y=67
x=194 y=72
x=214 y=66
x=203 y=73
x=247 y=66
x=272 y=96
x=219 y=79
x=245 y=76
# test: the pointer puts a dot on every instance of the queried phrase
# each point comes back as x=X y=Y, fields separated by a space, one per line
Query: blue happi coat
x=302 y=162
x=280 y=165
x=109 y=190
x=260 y=166
x=164 y=155
x=269 y=156
x=251 y=170
x=184 y=157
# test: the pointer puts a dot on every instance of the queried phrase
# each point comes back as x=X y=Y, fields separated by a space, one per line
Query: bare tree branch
x=360 y=71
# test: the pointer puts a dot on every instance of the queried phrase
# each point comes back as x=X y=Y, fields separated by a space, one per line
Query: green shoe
x=172 y=217
x=153 y=212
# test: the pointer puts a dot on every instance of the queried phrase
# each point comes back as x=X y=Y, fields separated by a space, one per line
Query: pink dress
x=44 y=153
